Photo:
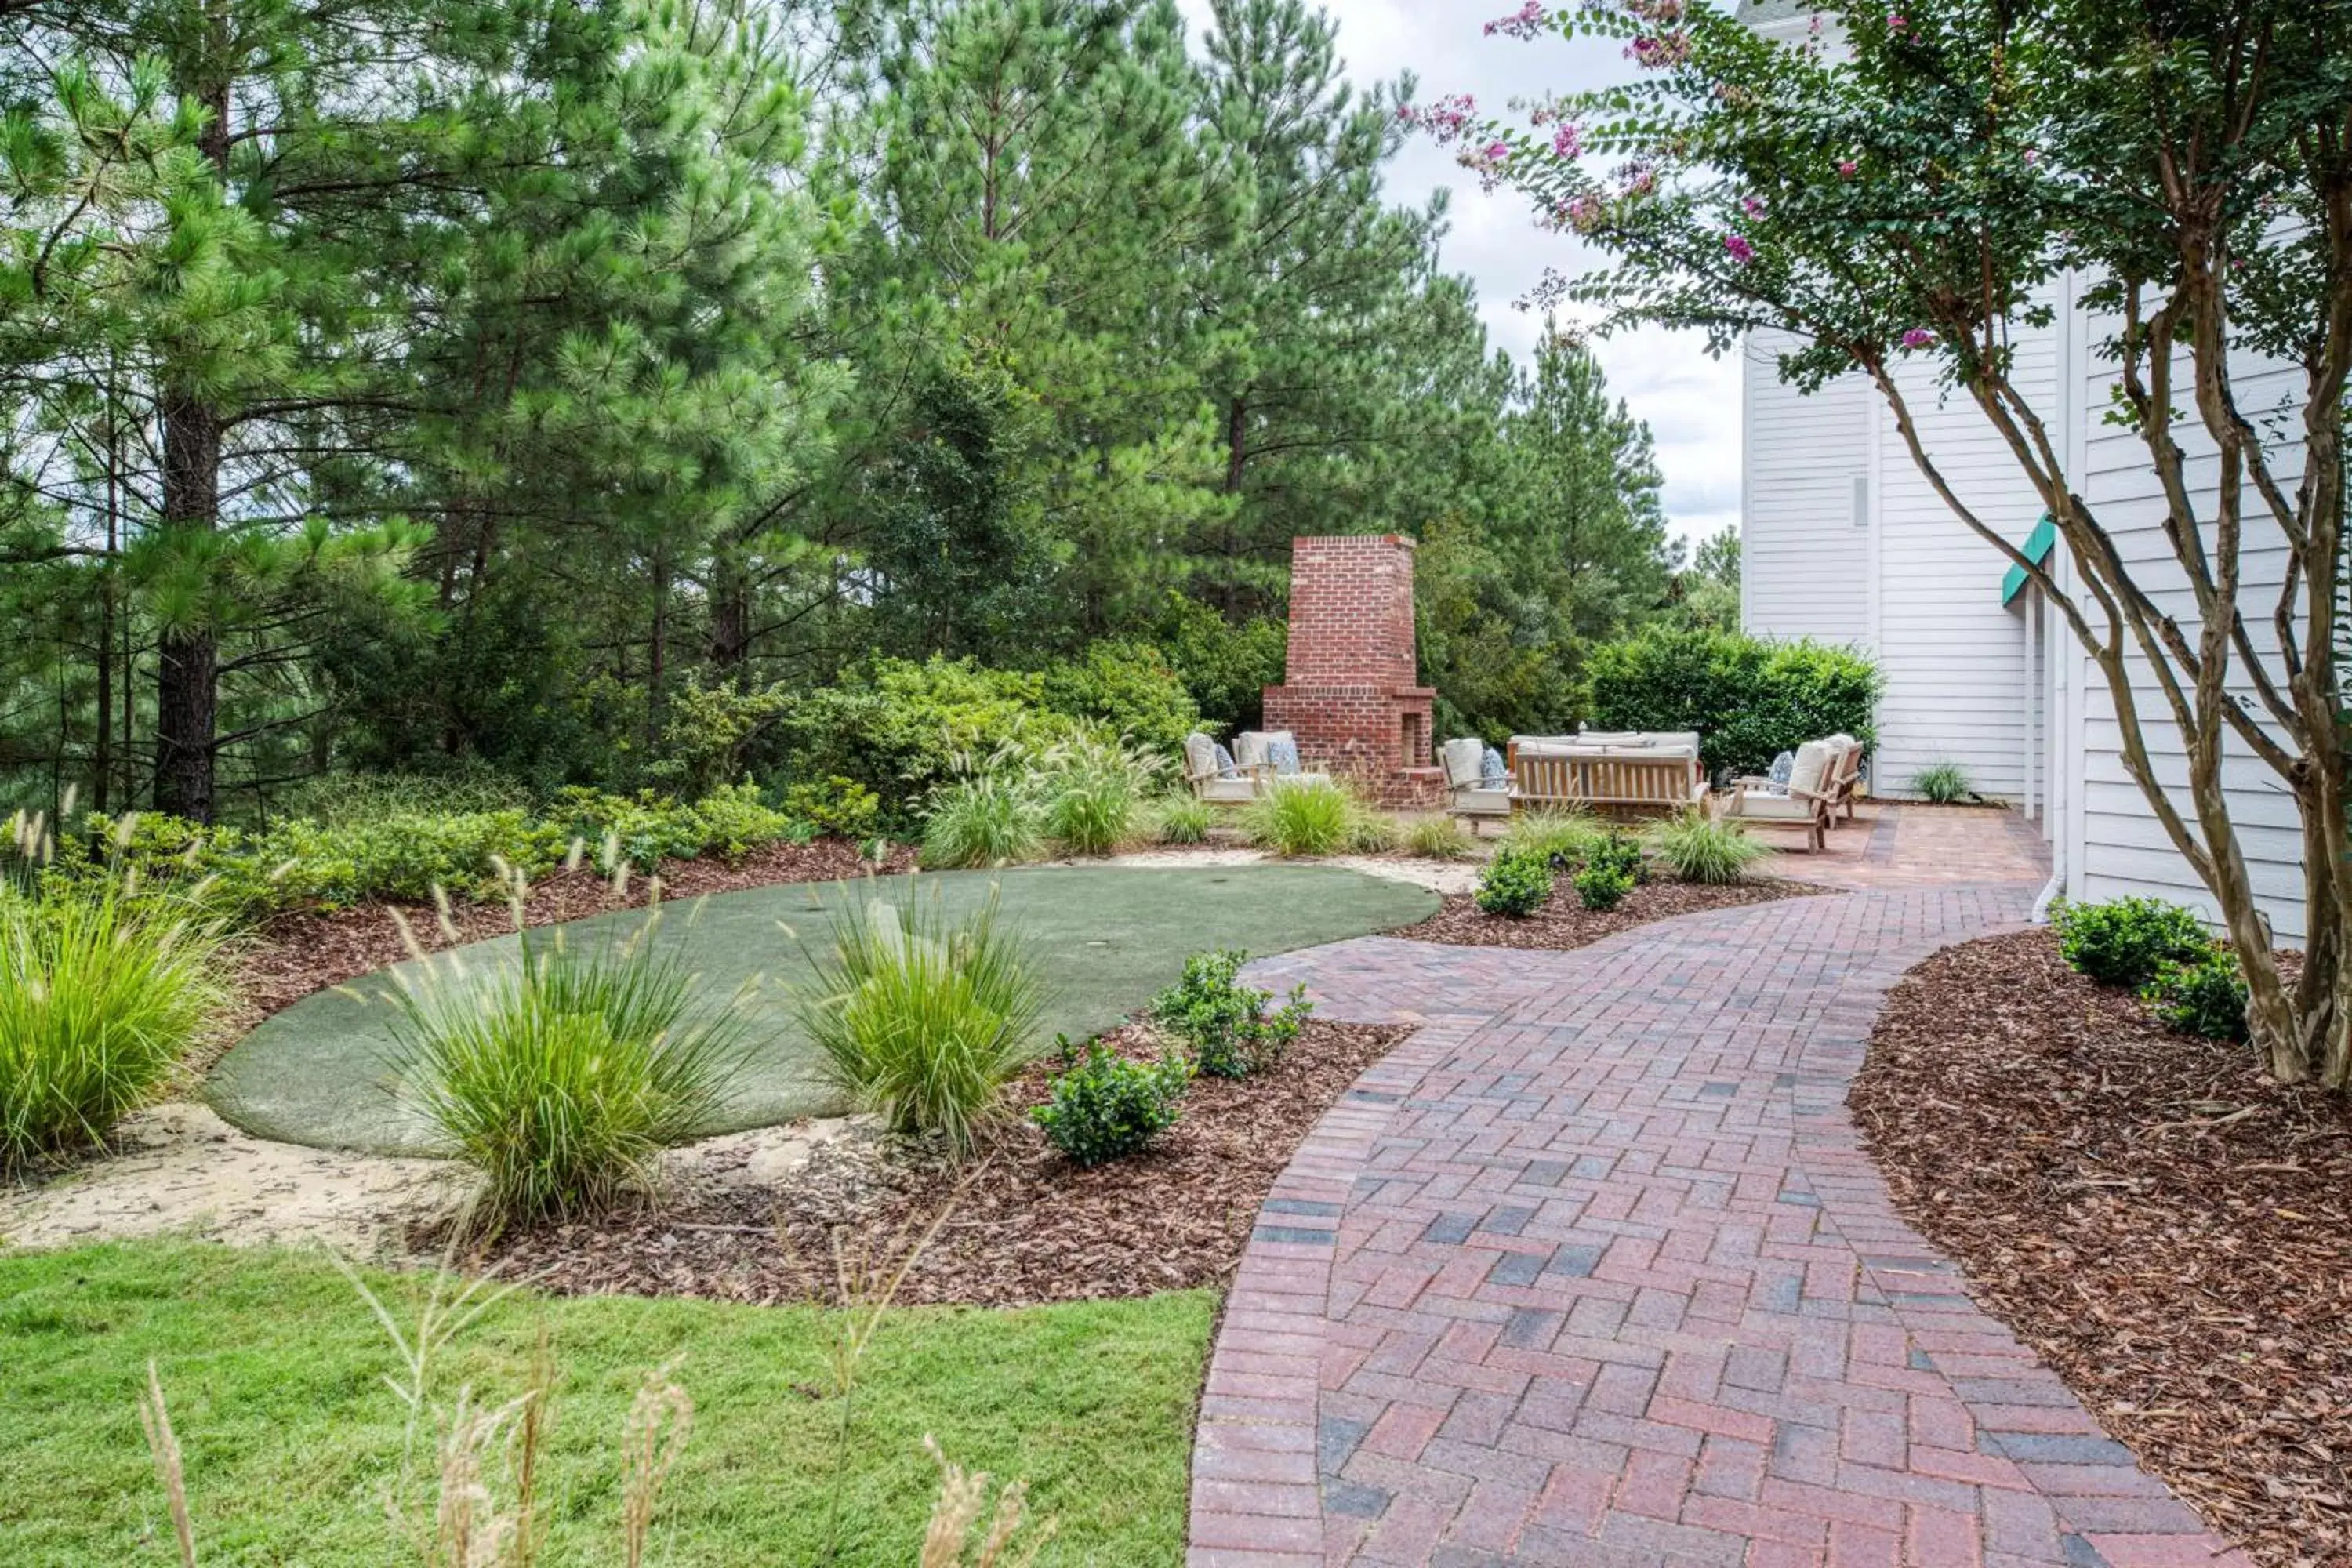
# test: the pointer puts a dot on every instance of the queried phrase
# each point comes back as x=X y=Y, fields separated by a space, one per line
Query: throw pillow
x=1493 y=773
x=1283 y=754
x=1226 y=768
x=1783 y=766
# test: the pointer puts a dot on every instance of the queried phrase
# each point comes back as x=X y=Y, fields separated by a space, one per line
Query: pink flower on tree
x=1741 y=252
x=1568 y=141
x=1446 y=119
x=1659 y=52
x=1846 y=168
x=1752 y=205
x=1527 y=22
x=1896 y=22
x=1918 y=338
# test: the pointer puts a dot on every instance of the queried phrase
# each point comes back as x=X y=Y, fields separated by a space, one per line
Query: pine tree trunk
x=187 y=673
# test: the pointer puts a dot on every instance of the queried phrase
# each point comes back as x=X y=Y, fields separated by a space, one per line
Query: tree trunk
x=187 y=673
x=1236 y=445
x=730 y=614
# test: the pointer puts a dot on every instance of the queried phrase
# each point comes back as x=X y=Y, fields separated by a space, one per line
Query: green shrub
x=1750 y=700
x=643 y=829
x=100 y=999
x=2125 y=941
x=1104 y=1107
x=1438 y=838
x=336 y=800
x=1182 y=818
x=1291 y=819
x=1517 y=882
x=1602 y=886
x=1093 y=790
x=1620 y=853
x=992 y=817
x=1943 y=783
x=1559 y=837
x=562 y=1078
x=1226 y=667
x=1226 y=1024
x=902 y=729
x=732 y=820
x=1128 y=688
x=836 y=808
x=1696 y=848
x=2201 y=995
x=922 y=1018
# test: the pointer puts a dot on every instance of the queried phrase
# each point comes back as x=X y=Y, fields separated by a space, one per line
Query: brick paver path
x=1592 y=1270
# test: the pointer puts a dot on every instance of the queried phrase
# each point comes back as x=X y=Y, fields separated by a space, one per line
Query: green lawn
x=1104 y=939
x=272 y=1366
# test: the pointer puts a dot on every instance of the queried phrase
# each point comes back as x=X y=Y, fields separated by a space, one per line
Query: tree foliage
x=648 y=394
x=1906 y=191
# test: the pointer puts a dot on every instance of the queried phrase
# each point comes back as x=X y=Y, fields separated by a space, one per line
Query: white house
x=1842 y=539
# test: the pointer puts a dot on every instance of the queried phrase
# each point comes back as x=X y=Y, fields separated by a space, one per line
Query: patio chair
x=1277 y=750
x=1845 y=778
x=1804 y=805
x=1475 y=794
x=1214 y=776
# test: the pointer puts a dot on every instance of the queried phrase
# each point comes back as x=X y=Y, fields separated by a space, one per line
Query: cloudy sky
x=1691 y=402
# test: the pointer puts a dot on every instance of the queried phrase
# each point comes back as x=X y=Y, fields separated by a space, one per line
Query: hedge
x=1750 y=700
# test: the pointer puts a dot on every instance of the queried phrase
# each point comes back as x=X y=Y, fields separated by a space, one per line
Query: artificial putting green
x=1105 y=939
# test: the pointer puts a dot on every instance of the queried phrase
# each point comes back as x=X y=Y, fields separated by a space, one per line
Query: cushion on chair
x=1772 y=807
x=1494 y=773
x=1282 y=750
x=1226 y=767
x=1200 y=755
x=1483 y=802
x=1229 y=791
x=1249 y=747
x=1782 y=766
x=1460 y=760
x=1809 y=774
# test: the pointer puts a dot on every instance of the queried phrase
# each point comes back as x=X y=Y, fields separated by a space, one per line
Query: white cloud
x=1691 y=402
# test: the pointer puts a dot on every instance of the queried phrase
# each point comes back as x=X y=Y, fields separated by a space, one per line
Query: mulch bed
x=1021 y=1224
x=1564 y=923
x=296 y=954
x=2169 y=1230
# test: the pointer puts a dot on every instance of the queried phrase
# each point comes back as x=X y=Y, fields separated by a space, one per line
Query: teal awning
x=2038 y=546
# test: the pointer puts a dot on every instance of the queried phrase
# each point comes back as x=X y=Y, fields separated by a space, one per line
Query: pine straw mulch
x=1564 y=923
x=1019 y=1226
x=299 y=953
x=2169 y=1230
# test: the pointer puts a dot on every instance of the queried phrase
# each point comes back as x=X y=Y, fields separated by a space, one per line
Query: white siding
x=2117 y=847
x=1953 y=657
x=1804 y=564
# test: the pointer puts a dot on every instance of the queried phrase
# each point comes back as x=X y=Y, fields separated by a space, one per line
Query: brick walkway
x=1593 y=1271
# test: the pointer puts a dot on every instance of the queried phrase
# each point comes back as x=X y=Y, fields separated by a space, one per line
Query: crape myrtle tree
x=1915 y=182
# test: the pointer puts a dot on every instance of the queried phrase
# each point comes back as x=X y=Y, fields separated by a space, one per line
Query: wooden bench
x=1614 y=782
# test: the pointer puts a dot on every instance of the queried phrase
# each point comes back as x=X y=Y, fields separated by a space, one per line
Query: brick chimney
x=1350 y=691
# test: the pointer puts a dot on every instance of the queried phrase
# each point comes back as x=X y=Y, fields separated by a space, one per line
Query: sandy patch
x=178 y=1169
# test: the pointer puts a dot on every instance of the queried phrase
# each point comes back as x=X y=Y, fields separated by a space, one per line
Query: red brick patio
x=1593 y=1272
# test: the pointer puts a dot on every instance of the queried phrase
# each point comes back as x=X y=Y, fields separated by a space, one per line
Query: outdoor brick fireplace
x=1350 y=691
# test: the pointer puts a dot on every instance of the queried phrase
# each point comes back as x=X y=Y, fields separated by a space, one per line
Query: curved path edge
x=1593 y=1269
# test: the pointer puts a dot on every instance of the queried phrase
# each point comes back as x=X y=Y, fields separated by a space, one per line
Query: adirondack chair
x=1806 y=805
x=1470 y=795
x=1219 y=781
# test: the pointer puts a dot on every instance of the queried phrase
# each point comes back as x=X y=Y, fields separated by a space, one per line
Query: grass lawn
x=273 y=1370
x=1105 y=939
